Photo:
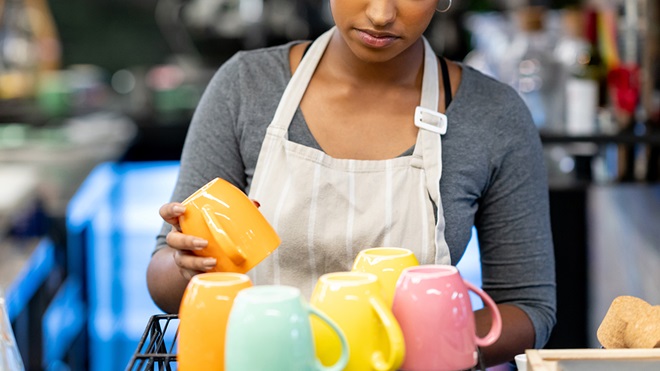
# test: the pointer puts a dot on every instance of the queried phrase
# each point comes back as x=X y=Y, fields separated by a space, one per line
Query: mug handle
x=496 y=327
x=343 y=359
x=394 y=336
x=232 y=250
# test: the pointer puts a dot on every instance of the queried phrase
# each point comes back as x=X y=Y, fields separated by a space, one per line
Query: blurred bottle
x=45 y=34
x=533 y=70
x=29 y=45
x=10 y=358
x=18 y=58
x=578 y=51
x=490 y=42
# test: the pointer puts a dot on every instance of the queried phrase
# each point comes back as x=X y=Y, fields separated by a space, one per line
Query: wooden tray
x=592 y=359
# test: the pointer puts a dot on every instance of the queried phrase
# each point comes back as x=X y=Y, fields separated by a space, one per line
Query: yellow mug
x=353 y=300
x=239 y=236
x=386 y=263
x=203 y=318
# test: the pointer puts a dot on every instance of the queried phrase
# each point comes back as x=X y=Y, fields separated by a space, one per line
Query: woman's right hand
x=184 y=245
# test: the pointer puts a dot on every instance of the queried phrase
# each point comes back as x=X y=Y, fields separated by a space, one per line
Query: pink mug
x=432 y=306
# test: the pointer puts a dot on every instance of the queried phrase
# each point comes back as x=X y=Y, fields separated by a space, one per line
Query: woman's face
x=379 y=30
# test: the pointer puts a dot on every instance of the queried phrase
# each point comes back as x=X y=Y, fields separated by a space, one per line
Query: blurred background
x=96 y=97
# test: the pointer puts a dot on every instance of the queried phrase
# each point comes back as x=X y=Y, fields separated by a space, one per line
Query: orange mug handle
x=226 y=244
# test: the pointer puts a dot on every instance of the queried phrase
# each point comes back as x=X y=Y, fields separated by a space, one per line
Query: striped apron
x=326 y=210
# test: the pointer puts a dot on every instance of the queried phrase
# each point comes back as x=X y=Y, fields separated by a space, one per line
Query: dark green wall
x=113 y=34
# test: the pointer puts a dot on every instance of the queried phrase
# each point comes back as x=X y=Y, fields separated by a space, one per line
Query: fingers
x=184 y=245
x=170 y=212
x=190 y=264
x=179 y=241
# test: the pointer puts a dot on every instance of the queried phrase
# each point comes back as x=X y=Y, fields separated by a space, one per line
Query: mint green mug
x=269 y=329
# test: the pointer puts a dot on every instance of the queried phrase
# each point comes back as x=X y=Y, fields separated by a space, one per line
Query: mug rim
x=210 y=279
x=435 y=270
x=336 y=278
x=270 y=293
x=397 y=251
x=200 y=190
x=521 y=360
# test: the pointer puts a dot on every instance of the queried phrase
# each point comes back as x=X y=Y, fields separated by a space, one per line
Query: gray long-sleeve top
x=493 y=170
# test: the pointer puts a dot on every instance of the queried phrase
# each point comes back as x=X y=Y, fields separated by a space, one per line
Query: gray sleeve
x=513 y=223
x=211 y=148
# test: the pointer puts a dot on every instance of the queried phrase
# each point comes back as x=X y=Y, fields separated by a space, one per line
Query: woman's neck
x=404 y=69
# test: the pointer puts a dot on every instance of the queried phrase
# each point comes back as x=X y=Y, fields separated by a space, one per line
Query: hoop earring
x=445 y=9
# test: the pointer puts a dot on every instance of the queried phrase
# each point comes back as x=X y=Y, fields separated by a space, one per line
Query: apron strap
x=432 y=124
x=296 y=87
x=430 y=86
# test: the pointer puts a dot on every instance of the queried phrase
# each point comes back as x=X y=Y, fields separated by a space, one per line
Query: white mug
x=521 y=362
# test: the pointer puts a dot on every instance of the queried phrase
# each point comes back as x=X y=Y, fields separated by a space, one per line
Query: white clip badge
x=430 y=120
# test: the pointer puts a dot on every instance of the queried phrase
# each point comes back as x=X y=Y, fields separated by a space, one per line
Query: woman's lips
x=376 y=40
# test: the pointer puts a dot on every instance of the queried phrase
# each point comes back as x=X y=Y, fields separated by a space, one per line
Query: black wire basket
x=156 y=350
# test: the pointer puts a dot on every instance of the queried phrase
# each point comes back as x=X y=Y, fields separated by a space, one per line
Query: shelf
x=624 y=138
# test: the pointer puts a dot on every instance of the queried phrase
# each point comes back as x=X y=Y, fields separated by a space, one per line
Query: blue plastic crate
x=112 y=222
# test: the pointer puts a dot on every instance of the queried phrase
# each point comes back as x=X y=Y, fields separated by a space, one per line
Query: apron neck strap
x=296 y=87
x=430 y=87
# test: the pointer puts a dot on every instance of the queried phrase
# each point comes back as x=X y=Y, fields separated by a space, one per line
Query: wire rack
x=156 y=349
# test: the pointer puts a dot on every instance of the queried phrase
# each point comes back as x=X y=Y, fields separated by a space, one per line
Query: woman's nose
x=381 y=12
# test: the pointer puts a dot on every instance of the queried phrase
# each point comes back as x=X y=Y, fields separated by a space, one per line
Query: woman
x=341 y=158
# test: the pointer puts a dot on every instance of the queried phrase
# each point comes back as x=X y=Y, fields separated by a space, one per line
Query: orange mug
x=239 y=236
x=203 y=318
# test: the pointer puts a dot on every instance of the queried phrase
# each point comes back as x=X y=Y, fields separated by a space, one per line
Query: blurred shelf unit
x=111 y=228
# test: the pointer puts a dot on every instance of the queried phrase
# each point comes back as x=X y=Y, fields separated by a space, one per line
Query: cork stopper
x=531 y=18
x=573 y=22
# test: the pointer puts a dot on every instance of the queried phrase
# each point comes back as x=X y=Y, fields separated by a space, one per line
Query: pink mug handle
x=496 y=327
